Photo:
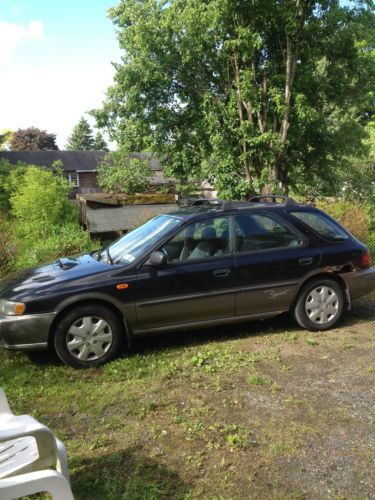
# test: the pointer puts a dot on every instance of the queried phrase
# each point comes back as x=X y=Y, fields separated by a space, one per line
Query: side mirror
x=157 y=259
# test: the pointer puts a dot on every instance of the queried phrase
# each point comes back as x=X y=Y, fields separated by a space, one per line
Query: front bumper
x=359 y=283
x=25 y=332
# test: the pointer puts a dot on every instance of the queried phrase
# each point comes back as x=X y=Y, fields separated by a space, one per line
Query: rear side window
x=322 y=225
x=261 y=232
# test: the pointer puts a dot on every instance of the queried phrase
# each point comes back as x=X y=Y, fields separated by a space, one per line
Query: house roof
x=71 y=160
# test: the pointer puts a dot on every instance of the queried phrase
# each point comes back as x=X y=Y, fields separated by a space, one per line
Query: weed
x=289 y=337
x=311 y=341
x=257 y=379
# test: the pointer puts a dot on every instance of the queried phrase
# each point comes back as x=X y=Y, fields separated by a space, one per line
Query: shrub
x=5 y=169
x=65 y=240
x=6 y=239
x=40 y=202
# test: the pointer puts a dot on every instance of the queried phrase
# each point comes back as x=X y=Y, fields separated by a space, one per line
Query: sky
x=55 y=62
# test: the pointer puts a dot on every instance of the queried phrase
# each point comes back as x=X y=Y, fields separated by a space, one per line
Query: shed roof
x=105 y=220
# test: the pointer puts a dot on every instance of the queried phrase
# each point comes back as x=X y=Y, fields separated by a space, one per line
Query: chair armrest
x=44 y=437
x=4 y=406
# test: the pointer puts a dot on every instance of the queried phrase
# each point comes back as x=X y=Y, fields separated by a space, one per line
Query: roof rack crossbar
x=288 y=200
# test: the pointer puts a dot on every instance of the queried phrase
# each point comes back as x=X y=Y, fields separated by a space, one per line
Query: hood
x=61 y=270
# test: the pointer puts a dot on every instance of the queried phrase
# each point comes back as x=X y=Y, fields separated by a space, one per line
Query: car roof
x=219 y=207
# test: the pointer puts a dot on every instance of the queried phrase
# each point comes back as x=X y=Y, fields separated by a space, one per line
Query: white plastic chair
x=27 y=446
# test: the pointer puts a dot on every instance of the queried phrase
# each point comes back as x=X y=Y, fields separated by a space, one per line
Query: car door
x=197 y=283
x=271 y=258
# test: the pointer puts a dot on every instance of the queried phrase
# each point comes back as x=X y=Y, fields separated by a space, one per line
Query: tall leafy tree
x=246 y=93
x=32 y=139
x=120 y=172
x=81 y=138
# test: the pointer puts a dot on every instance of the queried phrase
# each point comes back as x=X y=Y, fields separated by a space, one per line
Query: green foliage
x=246 y=94
x=81 y=138
x=40 y=202
x=5 y=169
x=45 y=224
x=122 y=173
x=5 y=137
x=100 y=143
x=32 y=139
x=6 y=236
x=67 y=239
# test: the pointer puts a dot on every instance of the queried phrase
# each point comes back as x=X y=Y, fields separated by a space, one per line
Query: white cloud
x=12 y=35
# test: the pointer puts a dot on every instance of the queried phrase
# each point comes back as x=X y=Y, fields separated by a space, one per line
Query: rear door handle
x=221 y=273
x=305 y=261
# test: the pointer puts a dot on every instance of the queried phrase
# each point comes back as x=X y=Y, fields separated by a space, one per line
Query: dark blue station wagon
x=205 y=265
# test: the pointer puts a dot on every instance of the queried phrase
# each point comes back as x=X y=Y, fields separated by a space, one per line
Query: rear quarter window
x=321 y=224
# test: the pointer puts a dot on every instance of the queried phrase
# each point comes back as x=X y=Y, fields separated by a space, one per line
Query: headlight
x=9 y=308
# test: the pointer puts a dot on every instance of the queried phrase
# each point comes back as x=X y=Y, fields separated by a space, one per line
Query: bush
x=5 y=169
x=6 y=239
x=66 y=240
x=40 y=202
x=45 y=221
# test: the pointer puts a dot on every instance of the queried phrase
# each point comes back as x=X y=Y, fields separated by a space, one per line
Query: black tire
x=313 y=316
x=76 y=342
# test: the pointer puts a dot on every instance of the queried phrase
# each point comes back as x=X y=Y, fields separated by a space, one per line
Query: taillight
x=366 y=259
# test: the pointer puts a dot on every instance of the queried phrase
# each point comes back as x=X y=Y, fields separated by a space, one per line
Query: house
x=80 y=167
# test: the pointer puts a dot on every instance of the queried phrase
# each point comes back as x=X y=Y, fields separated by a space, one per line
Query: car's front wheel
x=88 y=336
x=320 y=305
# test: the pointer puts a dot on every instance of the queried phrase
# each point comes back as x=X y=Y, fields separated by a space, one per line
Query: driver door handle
x=221 y=273
x=305 y=261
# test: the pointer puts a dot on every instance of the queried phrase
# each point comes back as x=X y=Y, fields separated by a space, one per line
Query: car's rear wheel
x=88 y=336
x=320 y=305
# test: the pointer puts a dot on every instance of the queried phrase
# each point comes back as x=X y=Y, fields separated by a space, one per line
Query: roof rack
x=287 y=199
x=217 y=203
x=207 y=202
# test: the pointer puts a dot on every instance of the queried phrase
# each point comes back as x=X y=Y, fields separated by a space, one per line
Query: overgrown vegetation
x=42 y=223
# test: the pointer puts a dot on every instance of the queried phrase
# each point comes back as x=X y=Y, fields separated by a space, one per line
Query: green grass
x=206 y=414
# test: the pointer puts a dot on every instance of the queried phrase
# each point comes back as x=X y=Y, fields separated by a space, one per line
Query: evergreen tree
x=81 y=138
x=100 y=143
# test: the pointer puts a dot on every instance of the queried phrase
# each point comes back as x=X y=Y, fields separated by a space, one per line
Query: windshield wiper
x=108 y=255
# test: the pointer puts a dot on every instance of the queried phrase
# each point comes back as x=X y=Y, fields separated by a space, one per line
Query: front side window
x=200 y=240
x=321 y=224
x=138 y=242
x=262 y=232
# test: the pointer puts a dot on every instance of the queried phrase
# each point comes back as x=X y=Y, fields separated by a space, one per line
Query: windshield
x=141 y=240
